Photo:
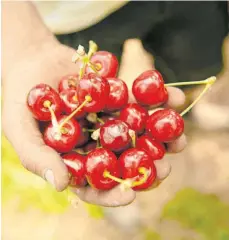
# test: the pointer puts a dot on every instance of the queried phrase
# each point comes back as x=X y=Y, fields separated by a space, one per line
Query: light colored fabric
x=63 y=17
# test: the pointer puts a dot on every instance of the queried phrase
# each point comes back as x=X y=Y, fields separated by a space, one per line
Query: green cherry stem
x=88 y=130
x=208 y=83
x=129 y=183
x=48 y=105
x=87 y=100
x=209 y=80
x=100 y=120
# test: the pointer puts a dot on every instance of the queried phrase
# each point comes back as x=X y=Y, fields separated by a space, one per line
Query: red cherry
x=98 y=161
x=105 y=63
x=118 y=97
x=165 y=125
x=104 y=119
x=70 y=102
x=131 y=161
x=76 y=167
x=155 y=149
x=90 y=146
x=96 y=87
x=114 y=135
x=38 y=96
x=68 y=82
x=84 y=136
x=64 y=140
x=149 y=88
x=135 y=116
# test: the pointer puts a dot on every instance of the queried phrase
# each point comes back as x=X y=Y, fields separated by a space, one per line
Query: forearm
x=23 y=33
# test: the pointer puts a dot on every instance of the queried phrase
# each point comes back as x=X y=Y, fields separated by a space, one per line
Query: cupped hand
x=48 y=65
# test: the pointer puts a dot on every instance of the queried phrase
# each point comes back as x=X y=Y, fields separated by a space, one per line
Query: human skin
x=31 y=55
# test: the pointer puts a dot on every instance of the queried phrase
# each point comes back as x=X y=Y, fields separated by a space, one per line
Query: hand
x=48 y=66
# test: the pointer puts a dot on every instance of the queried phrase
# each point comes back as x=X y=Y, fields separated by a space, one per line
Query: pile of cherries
x=103 y=139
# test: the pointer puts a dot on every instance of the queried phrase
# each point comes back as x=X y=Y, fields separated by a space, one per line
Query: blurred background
x=191 y=204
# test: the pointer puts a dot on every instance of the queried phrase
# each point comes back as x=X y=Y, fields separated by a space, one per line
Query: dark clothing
x=184 y=37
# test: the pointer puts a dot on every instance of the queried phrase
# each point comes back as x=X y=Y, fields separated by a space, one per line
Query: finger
x=135 y=60
x=163 y=168
x=112 y=198
x=22 y=131
x=178 y=145
x=176 y=97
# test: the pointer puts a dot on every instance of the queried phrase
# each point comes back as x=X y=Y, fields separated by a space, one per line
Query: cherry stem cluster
x=129 y=183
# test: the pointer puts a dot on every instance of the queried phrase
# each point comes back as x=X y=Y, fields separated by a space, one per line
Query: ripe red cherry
x=98 y=161
x=104 y=119
x=84 y=136
x=155 y=149
x=70 y=102
x=105 y=63
x=129 y=163
x=68 y=82
x=165 y=125
x=114 y=135
x=135 y=116
x=118 y=97
x=38 y=96
x=76 y=167
x=149 y=88
x=64 y=140
x=96 y=87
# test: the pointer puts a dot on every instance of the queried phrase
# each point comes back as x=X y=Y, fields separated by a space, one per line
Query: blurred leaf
x=201 y=212
x=151 y=235
x=94 y=211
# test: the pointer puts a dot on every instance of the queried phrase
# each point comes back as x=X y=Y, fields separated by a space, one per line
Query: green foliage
x=204 y=213
x=151 y=235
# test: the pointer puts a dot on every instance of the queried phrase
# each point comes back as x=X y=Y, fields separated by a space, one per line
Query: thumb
x=135 y=60
x=22 y=131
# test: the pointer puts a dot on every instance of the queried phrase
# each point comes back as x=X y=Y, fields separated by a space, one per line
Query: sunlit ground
x=192 y=204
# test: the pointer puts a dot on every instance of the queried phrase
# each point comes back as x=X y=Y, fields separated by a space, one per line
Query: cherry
x=70 y=102
x=68 y=82
x=97 y=88
x=104 y=63
x=135 y=116
x=102 y=120
x=98 y=162
x=155 y=149
x=84 y=136
x=118 y=97
x=42 y=100
x=165 y=125
x=149 y=88
x=114 y=135
x=76 y=167
x=131 y=161
x=62 y=138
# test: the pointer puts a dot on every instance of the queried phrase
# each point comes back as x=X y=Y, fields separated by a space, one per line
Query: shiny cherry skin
x=97 y=162
x=90 y=146
x=84 y=136
x=76 y=167
x=67 y=139
x=129 y=163
x=114 y=135
x=165 y=125
x=155 y=149
x=118 y=97
x=68 y=82
x=104 y=118
x=149 y=89
x=70 y=103
x=135 y=116
x=106 y=64
x=36 y=100
x=95 y=86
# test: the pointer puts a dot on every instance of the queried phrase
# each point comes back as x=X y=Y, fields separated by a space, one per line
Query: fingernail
x=49 y=177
